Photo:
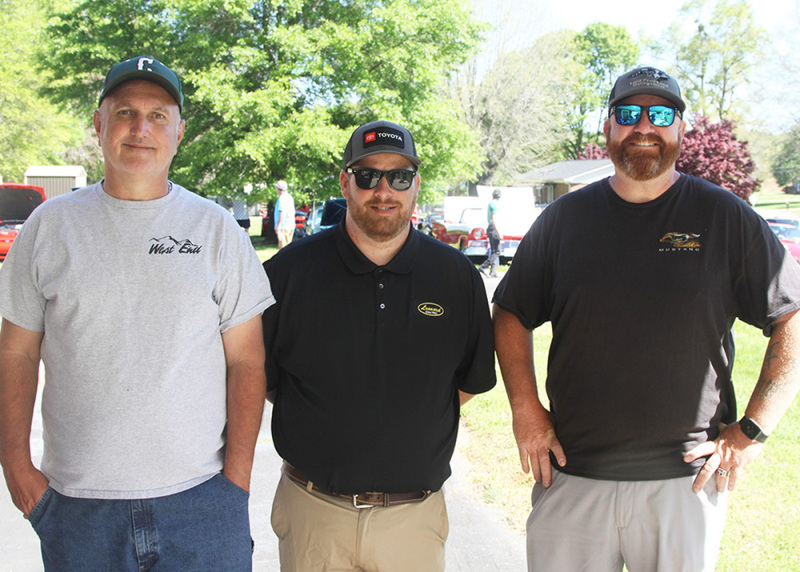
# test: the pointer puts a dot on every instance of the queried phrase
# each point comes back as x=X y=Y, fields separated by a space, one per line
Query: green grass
x=763 y=526
x=776 y=201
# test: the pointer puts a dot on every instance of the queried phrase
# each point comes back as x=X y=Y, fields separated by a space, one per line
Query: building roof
x=572 y=172
x=56 y=171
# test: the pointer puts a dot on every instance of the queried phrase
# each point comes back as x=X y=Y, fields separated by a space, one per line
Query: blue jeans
x=204 y=528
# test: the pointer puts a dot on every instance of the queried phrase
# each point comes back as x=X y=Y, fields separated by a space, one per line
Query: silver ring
x=722 y=472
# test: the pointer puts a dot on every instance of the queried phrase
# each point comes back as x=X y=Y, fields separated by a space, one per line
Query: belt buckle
x=360 y=506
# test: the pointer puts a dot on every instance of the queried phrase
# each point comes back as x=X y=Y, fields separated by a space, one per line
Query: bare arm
x=777 y=386
x=533 y=424
x=464 y=397
x=247 y=386
x=19 y=377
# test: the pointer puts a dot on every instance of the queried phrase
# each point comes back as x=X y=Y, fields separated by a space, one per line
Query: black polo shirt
x=367 y=360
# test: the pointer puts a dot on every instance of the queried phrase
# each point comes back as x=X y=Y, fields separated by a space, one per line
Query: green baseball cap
x=146 y=68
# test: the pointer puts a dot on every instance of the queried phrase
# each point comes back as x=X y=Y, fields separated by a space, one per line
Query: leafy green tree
x=32 y=130
x=602 y=52
x=715 y=58
x=516 y=106
x=786 y=166
x=607 y=52
x=274 y=88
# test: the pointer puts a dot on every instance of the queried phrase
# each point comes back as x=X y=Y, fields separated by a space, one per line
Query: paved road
x=479 y=539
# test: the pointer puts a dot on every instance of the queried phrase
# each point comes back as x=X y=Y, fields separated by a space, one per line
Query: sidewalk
x=479 y=540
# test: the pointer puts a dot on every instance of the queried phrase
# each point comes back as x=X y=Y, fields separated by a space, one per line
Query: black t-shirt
x=367 y=360
x=642 y=299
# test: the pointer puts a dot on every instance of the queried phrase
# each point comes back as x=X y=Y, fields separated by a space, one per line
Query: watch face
x=751 y=430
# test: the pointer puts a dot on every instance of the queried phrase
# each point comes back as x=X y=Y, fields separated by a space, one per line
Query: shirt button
x=383 y=306
x=380 y=286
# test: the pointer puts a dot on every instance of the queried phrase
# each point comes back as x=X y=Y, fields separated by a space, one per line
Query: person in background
x=284 y=215
x=144 y=302
x=642 y=276
x=493 y=258
x=367 y=431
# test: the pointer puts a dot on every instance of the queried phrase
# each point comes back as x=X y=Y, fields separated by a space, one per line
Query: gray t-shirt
x=133 y=297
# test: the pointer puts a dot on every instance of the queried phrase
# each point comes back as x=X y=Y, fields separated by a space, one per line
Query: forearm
x=19 y=377
x=246 y=395
x=514 y=348
x=779 y=381
x=18 y=382
x=533 y=425
x=246 y=392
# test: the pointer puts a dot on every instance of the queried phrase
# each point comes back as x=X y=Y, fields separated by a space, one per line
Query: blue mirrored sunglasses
x=659 y=115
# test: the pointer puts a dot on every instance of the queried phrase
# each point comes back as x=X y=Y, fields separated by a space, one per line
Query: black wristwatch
x=752 y=430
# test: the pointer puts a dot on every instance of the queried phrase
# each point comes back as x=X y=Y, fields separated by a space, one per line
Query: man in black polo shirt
x=378 y=335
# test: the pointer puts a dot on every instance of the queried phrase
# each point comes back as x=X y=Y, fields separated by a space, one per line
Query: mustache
x=379 y=203
x=642 y=138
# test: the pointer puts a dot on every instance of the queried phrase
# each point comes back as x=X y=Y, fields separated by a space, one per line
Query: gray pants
x=653 y=526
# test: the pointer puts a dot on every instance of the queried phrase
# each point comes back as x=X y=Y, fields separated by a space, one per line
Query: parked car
x=16 y=205
x=426 y=225
x=469 y=236
x=789 y=235
x=330 y=213
x=268 y=228
x=781 y=220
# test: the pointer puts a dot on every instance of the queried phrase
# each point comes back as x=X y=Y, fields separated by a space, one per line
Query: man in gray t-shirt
x=143 y=300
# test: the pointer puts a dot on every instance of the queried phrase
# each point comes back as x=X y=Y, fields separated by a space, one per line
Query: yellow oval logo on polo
x=430 y=309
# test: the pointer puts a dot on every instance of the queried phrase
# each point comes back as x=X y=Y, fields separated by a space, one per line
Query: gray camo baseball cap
x=647 y=81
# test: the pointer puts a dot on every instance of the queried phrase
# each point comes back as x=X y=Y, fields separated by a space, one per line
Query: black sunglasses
x=659 y=115
x=398 y=179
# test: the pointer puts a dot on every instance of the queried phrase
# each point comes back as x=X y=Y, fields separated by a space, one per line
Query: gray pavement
x=479 y=538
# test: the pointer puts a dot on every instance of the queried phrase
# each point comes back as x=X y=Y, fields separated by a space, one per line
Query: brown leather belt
x=362 y=500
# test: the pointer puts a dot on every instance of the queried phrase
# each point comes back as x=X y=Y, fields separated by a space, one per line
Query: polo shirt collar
x=402 y=263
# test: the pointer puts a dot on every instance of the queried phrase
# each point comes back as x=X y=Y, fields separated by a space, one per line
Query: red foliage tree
x=593 y=151
x=712 y=152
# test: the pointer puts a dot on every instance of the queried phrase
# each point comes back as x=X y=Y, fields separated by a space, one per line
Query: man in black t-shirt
x=378 y=334
x=642 y=276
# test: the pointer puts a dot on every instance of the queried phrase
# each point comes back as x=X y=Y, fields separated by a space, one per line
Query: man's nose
x=140 y=125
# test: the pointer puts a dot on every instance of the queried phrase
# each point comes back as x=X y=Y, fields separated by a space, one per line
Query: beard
x=380 y=228
x=643 y=164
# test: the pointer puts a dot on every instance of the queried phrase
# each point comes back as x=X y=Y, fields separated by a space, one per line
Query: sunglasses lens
x=400 y=179
x=367 y=178
x=661 y=115
x=627 y=114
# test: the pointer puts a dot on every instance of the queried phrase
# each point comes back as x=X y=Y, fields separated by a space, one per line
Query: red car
x=469 y=236
x=789 y=235
x=16 y=204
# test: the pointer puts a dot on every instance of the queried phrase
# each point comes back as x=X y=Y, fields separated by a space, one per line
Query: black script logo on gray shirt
x=169 y=245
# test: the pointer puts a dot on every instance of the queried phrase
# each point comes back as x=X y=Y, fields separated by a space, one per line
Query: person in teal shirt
x=493 y=259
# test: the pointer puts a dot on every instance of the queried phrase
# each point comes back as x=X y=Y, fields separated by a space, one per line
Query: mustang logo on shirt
x=169 y=245
x=682 y=240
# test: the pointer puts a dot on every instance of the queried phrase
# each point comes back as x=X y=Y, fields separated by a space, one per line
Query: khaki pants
x=284 y=237
x=317 y=532
x=651 y=526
